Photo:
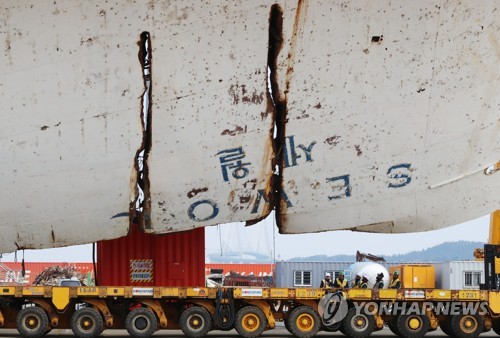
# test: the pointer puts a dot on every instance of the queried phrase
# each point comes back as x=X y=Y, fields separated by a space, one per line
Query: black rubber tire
x=352 y=329
x=87 y=323
x=403 y=325
x=445 y=326
x=341 y=329
x=250 y=322
x=458 y=325
x=141 y=322
x=496 y=327
x=332 y=328
x=287 y=325
x=391 y=324
x=195 y=322
x=32 y=322
x=304 y=322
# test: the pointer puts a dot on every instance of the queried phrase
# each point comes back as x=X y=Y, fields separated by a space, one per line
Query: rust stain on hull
x=195 y=192
x=333 y=140
x=298 y=27
x=236 y=131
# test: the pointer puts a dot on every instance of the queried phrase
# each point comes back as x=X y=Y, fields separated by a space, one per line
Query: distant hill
x=448 y=251
x=237 y=257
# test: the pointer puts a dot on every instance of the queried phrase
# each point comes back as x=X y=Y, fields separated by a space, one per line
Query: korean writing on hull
x=231 y=160
x=235 y=166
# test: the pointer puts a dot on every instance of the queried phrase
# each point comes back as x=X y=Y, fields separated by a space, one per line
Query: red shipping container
x=141 y=259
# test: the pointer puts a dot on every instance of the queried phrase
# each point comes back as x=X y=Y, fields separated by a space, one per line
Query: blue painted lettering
x=230 y=160
x=307 y=150
x=342 y=187
x=290 y=153
x=261 y=195
x=210 y=215
x=400 y=174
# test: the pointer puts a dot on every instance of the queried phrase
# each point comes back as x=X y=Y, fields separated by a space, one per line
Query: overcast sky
x=263 y=238
x=337 y=242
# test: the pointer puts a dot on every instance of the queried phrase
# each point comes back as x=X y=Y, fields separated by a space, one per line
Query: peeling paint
x=358 y=150
x=245 y=199
x=252 y=184
x=239 y=93
x=195 y=192
x=315 y=185
x=236 y=131
x=333 y=140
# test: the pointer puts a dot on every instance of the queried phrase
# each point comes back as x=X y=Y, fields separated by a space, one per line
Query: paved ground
x=276 y=333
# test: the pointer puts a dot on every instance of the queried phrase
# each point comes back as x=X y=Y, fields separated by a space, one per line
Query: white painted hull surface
x=392 y=116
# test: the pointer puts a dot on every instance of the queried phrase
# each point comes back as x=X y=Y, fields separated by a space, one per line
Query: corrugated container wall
x=459 y=275
x=305 y=274
x=141 y=259
x=310 y=274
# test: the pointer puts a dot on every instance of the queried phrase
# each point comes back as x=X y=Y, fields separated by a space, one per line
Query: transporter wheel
x=391 y=324
x=341 y=329
x=287 y=325
x=304 y=322
x=195 y=322
x=412 y=326
x=496 y=327
x=358 y=325
x=250 y=322
x=141 y=322
x=333 y=328
x=32 y=322
x=87 y=322
x=445 y=326
x=466 y=326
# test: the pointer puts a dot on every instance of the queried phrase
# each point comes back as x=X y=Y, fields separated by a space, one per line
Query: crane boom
x=495 y=228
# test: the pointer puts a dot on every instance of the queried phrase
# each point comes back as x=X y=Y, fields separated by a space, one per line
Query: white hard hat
x=327 y=274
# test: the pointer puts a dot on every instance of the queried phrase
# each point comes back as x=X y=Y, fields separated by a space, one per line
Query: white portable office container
x=459 y=275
